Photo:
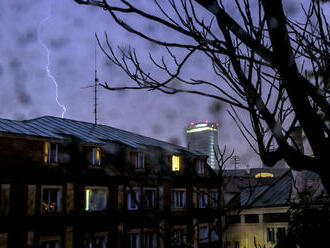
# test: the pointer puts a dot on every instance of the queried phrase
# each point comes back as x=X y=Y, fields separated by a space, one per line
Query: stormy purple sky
x=27 y=91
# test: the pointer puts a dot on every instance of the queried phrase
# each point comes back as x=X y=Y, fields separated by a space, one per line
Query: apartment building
x=67 y=183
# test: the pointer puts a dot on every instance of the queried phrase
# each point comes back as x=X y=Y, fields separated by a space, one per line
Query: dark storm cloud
x=157 y=129
x=59 y=43
x=28 y=37
x=215 y=107
x=174 y=140
x=1 y=70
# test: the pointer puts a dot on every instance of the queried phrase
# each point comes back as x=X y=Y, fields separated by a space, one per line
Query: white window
x=214 y=195
x=51 y=199
x=96 y=198
x=50 y=153
x=149 y=239
x=203 y=234
x=200 y=166
x=139 y=163
x=95 y=157
x=133 y=198
x=178 y=198
x=96 y=242
x=179 y=236
x=202 y=198
x=149 y=197
x=134 y=240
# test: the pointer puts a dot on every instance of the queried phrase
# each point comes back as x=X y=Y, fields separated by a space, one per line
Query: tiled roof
x=60 y=128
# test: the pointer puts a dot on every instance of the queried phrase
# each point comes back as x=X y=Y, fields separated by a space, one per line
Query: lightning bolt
x=49 y=74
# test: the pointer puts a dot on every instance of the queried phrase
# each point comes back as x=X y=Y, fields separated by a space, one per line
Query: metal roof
x=276 y=194
x=60 y=128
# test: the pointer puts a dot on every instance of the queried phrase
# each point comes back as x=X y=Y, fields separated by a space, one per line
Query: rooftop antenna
x=95 y=87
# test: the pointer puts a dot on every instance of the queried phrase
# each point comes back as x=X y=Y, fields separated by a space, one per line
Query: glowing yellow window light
x=264 y=175
x=175 y=163
x=88 y=194
x=46 y=152
x=97 y=153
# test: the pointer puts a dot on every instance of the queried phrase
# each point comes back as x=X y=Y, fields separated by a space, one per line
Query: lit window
x=178 y=198
x=214 y=198
x=95 y=199
x=133 y=199
x=51 y=200
x=264 y=175
x=149 y=239
x=50 y=153
x=203 y=234
x=134 y=240
x=149 y=196
x=175 y=163
x=202 y=199
x=179 y=236
x=95 y=158
x=139 y=164
x=200 y=167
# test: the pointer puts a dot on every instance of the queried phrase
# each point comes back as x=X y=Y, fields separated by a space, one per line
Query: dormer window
x=200 y=166
x=95 y=157
x=50 y=153
x=176 y=163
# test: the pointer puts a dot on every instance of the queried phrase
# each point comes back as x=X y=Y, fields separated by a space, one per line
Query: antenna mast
x=95 y=88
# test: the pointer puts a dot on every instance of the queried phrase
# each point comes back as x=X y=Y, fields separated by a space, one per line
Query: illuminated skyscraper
x=203 y=137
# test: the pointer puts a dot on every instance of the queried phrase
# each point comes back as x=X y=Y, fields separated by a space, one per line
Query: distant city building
x=203 y=137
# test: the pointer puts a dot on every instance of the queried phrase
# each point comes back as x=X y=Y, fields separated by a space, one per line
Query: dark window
x=236 y=244
x=178 y=198
x=139 y=163
x=270 y=235
x=179 y=236
x=276 y=217
x=251 y=218
x=280 y=233
x=134 y=240
x=233 y=219
x=96 y=242
x=50 y=244
x=149 y=240
x=200 y=167
x=214 y=197
x=149 y=196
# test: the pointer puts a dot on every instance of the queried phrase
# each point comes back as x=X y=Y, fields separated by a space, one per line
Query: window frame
x=138 y=164
x=93 y=161
x=174 y=199
x=59 y=198
x=138 y=240
x=176 y=163
x=154 y=239
x=89 y=236
x=129 y=199
x=200 y=164
x=91 y=188
x=182 y=231
x=270 y=234
x=203 y=239
x=47 y=153
x=202 y=198
x=154 y=199
x=43 y=239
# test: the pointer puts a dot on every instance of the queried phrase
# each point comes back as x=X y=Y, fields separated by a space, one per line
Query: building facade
x=66 y=183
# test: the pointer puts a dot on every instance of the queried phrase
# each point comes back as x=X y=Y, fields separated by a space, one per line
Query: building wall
x=248 y=235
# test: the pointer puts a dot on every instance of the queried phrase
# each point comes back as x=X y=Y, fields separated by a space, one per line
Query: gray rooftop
x=60 y=128
x=276 y=194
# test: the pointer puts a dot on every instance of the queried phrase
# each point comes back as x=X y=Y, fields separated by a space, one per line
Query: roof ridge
x=107 y=126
